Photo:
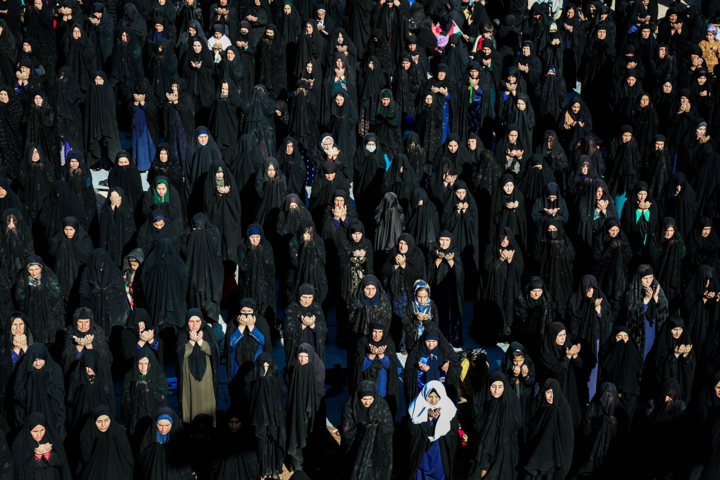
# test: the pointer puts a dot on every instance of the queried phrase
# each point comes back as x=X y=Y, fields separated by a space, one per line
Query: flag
x=455 y=29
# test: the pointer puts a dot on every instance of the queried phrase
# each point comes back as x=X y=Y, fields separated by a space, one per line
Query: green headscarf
x=157 y=198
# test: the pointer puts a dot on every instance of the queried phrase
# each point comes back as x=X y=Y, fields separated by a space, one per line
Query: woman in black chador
x=60 y=202
x=144 y=390
x=433 y=433
x=140 y=332
x=223 y=208
x=271 y=186
x=520 y=371
x=369 y=304
x=199 y=156
x=508 y=210
x=273 y=70
x=164 y=283
x=248 y=335
x=196 y=68
x=535 y=310
x=431 y=358
x=460 y=218
x=70 y=249
x=39 y=121
x=404 y=265
x=104 y=448
x=367 y=433
x=621 y=364
x=446 y=277
x=646 y=309
x=89 y=386
x=668 y=250
x=77 y=174
x=305 y=377
x=548 y=450
x=163 y=453
x=39 y=389
x=559 y=360
x=665 y=418
x=611 y=255
x=497 y=418
x=307 y=258
x=503 y=271
x=82 y=336
x=39 y=437
x=14 y=343
x=701 y=303
x=605 y=425
x=37 y=293
x=304 y=323
x=125 y=174
x=102 y=140
x=117 y=225
x=102 y=290
x=200 y=248
x=675 y=356
x=266 y=414
x=36 y=175
x=234 y=454
x=423 y=221
x=17 y=242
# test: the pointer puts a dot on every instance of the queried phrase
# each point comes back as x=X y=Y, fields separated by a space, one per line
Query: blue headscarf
x=159 y=437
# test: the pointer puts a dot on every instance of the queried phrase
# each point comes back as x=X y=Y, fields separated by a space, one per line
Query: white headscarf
x=419 y=408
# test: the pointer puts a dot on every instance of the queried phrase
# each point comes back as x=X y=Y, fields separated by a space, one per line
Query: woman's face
x=549 y=396
x=460 y=193
x=590 y=292
x=433 y=398
x=35 y=153
x=621 y=337
x=370 y=291
x=303 y=358
x=644 y=101
x=513 y=136
x=453 y=146
x=34 y=271
x=115 y=198
x=255 y=240
x=444 y=242
x=357 y=236
x=74 y=164
x=287 y=9
x=289 y=148
x=271 y=171
x=700 y=131
x=428 y=100
x=234 y=424
x=164 y=426
x=339 y=100
x=576 y=108
x=367 y=401
x=163 y=155
x=497 y=389
x=667 y=87
x=706 y=231
x=520 y=105
x=103 y=423
x=626 y=137
x=76 y=33
x=560 y=339
x=536 y=293
x=613 y=232
x=197 y=47
x=230 y=55
x=647 y=280
x=508 y=188
x=38 y=363
x=203 y=139
x=327 y=144
x=676 y=332
x=143 y=366
x=191 y=32
x=38 y=432
x=422 y=296
x=717 y=390
x=441 y=75
x=642 y=196
x=402 y=247
x=161 y=189
x=18 y=327
x=123 y=162
x=505 y=242
x=125 y=38
x=194 y=324
x=219 y=175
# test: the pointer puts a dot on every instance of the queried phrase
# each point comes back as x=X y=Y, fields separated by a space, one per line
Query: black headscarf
x=142 y=395
x=198 y=160
x=621 y=363
x=102 y=289
x=85 y=391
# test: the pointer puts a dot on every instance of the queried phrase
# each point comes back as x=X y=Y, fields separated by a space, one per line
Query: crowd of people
x=365 y=176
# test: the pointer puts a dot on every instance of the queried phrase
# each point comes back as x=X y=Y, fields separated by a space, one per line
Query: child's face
x=218 y=35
